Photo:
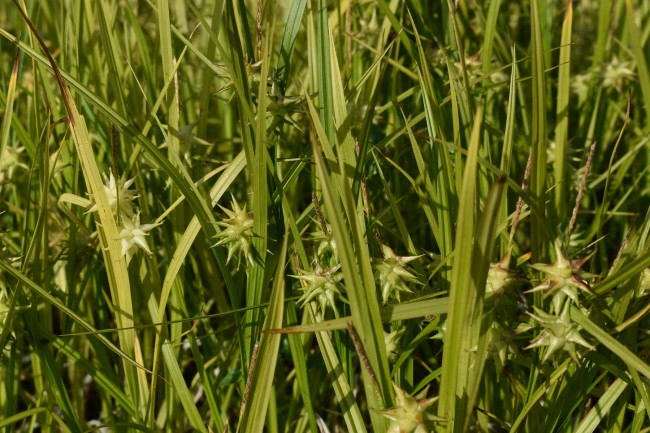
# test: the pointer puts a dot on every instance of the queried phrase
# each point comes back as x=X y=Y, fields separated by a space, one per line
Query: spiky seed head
x=644 y=283
x=393 y=343
x=133 y=235
x=500 y=278
x=237 y=231
x=562 y=279
x=120 y=196
x=322 y=285
x=391 y=271
x=409 y=415
x=559 y=332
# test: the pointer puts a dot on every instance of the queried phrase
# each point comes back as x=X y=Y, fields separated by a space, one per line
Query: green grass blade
x=404 y=311
x=562 y=112
x=640 y=57
x=324 y=68
x=109 y=236
x=261 y=379
x=600 y=410
x=464 y=290
x=291 y=29
x=539 y=139
x=348 y=229
x=616 y=347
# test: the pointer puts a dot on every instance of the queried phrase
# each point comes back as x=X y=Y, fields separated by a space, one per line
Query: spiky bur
x=562 y=279
x=393 y=343
x=120 y=196
x=133 y=235
x=559 y=332
x=644 y=283
x=323 y=286
x=409 y=415
x=325 y=246
x=500 y=278
x=616 y=73
x=4 y=309
x=500 y=344
x=324 y=243
x=392 y=273
x=9 y=162
x=237 y=231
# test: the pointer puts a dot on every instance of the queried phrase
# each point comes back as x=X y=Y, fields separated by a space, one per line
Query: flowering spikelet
x=409 y=413
x=644 y=282
x=4 y=309
x=499 y=345
x=9 y=161
x=562 y=279
x=134 y=235
x=326 y=251
x=500 y=277
x=392 y=274
x=393 y=343
x=559 y=333
x=322 y=285
x=237 y=232
x=119 y=196
x=616 y=72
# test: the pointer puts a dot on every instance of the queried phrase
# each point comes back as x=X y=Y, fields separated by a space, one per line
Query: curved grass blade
x=261 y=381
x=109 y=236
x=348 y=230
x=462 y=321
x=562 y=110
x=538 y=171
x=600 y=410
x=291 y=29
x=617 y=348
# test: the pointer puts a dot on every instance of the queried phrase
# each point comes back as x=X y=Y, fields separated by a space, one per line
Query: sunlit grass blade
x=621 y=352
x=9 y=102
x=462 y=321
x=405 y=311
x=562 y=110
x=600 y=411
x=508 y=143
x=640 y=58
x=291 y=29
x=538 y=172
x=261 y=380
x=109 y=235
x=347 y=229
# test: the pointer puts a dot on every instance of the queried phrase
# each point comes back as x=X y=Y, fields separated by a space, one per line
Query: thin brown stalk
x=364 y=359
x=520 y=201
x=251 y=368
x=583 y=185
x=259 y=29
x=319 y=214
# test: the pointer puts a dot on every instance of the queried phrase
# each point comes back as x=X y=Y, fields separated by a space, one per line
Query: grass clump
x=324 y=216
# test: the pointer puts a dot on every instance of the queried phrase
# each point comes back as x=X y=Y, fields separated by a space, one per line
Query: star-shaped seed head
x=119 y=196
x=644 y=283
x=499 y=345
x=237 y=232
x=559 y=333
x=326 y=251
x=133 y=235
x=562 y=279
x=393 y=343
x=409 y=415
x=322 y=285
x=500 y=278
x=392 y=273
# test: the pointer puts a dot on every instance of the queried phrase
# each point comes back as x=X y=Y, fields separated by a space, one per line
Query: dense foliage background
x=326 y=216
